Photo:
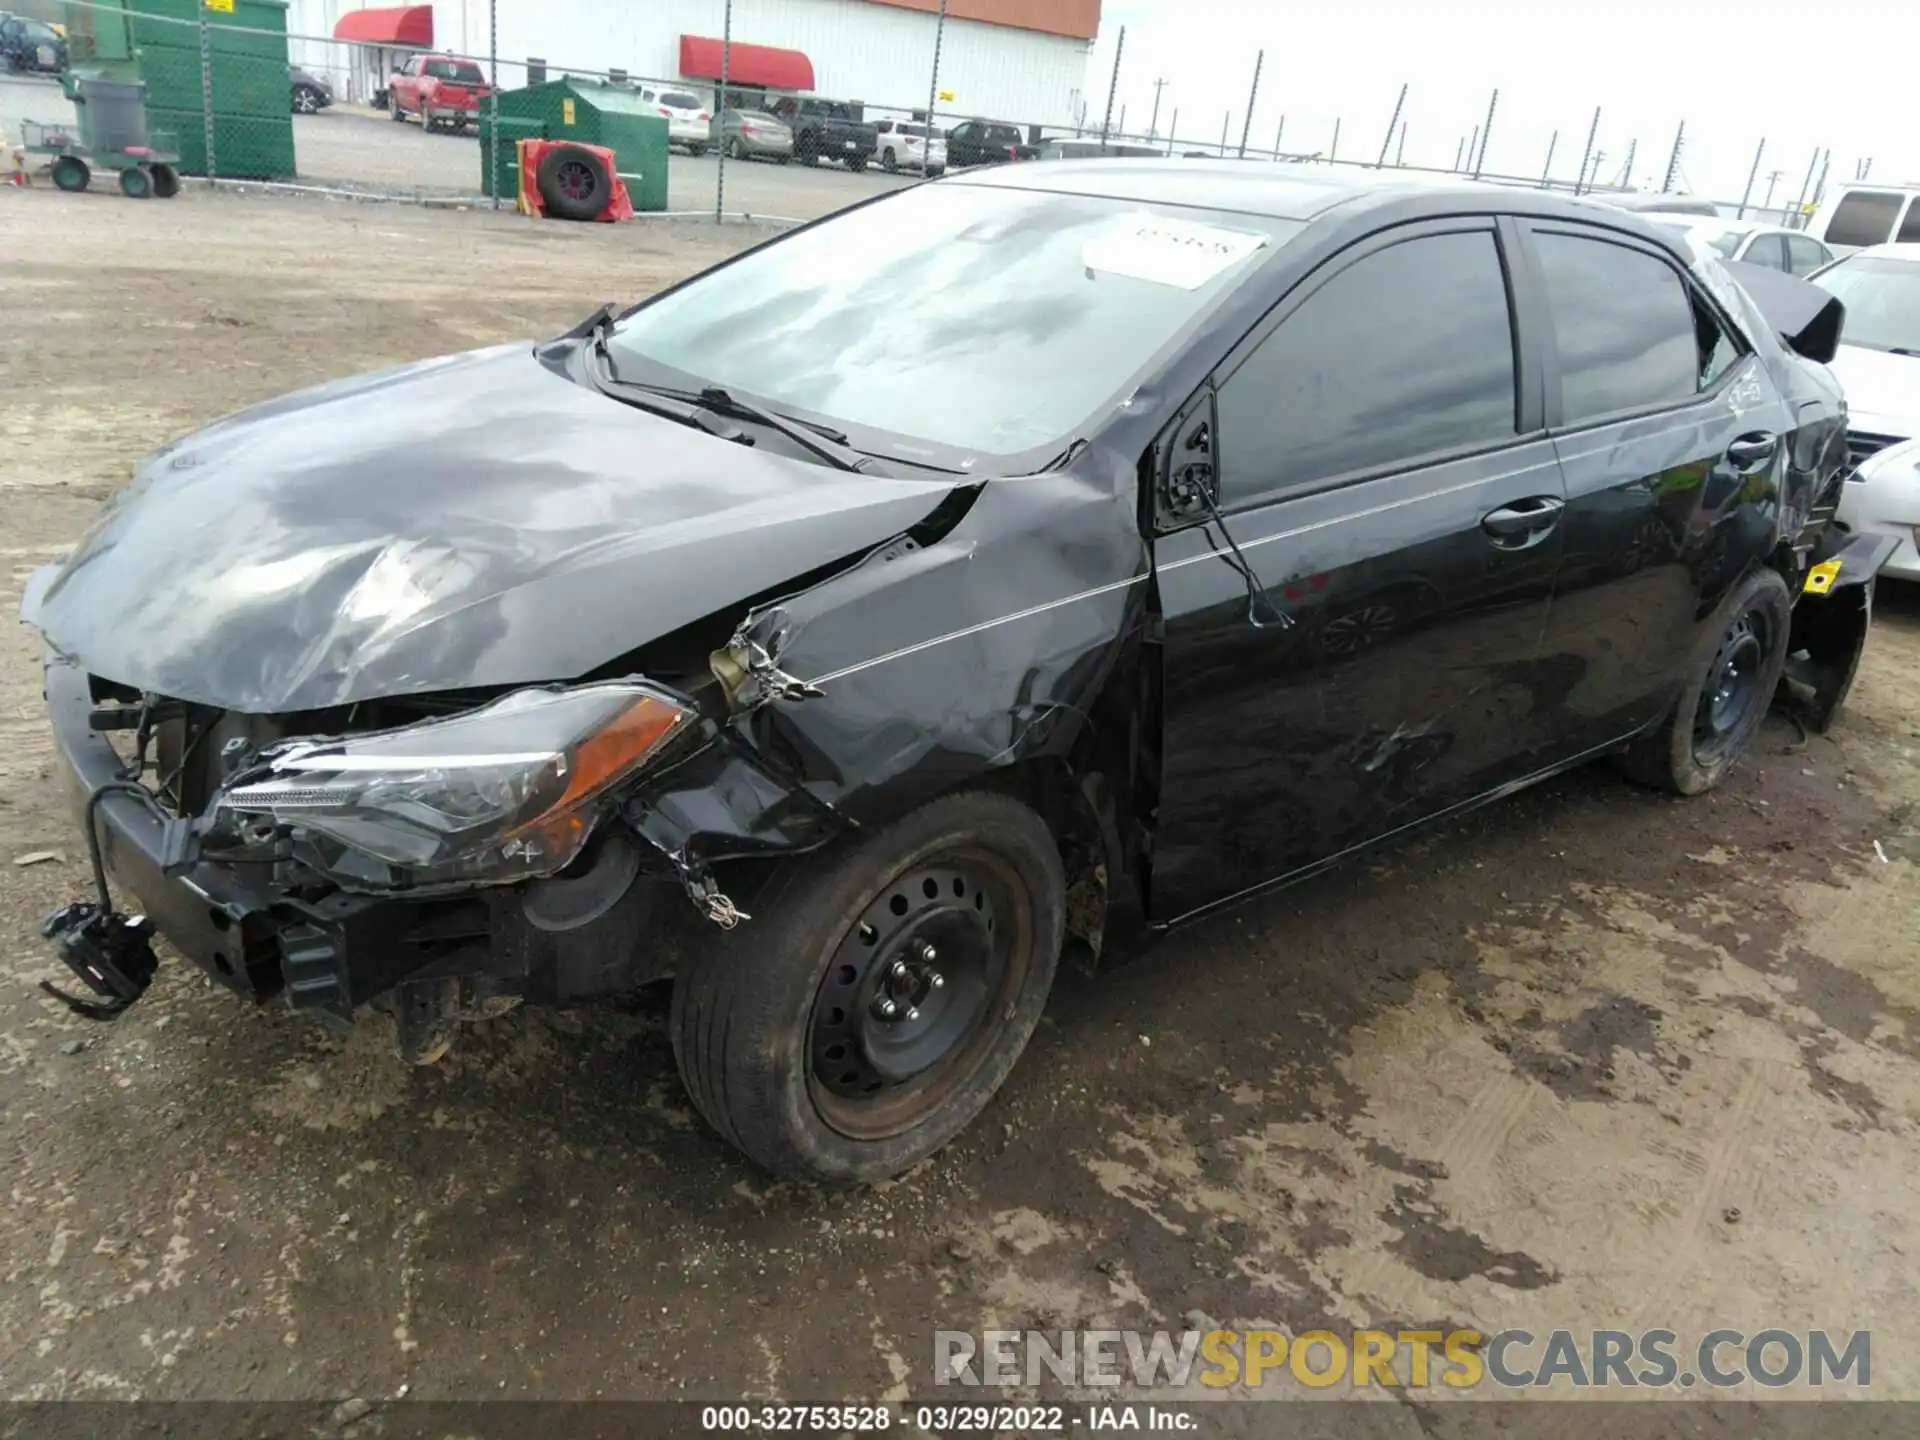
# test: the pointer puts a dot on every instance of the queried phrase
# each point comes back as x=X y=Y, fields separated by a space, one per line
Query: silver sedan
x=753 y=135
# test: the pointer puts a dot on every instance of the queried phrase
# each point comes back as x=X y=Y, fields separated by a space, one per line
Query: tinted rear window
x=1865 y=217
x=1624 y=326
x=680 y=100
x=460 y=72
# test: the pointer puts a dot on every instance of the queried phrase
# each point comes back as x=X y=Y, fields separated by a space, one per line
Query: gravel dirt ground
x=1593 y=1058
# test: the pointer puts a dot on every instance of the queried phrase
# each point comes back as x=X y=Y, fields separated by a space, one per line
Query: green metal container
x=591 y=112
x=159 y=42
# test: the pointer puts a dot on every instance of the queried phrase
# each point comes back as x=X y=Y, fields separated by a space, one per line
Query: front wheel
x=737 y=151
x=879 y=995
x=1729 y=683
x=70 y=173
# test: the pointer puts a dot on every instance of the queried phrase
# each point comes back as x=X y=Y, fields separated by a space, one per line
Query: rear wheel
x=736 y=150
x=1730 y=681
x=306 y=100
x=806 y=148
x=879 y=995
x=70 y=173
x=889 y=161
x=857 y=165
x=166 y=180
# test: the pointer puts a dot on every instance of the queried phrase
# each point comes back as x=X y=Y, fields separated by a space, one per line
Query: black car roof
x=1302 y=192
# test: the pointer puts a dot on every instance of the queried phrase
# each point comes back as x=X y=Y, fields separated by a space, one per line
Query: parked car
x=1757 y=243
x=986 y=142
x=689 y=118
x=712 y=639
x=311 y=94
x=1859 y=215
x=904 y=146
x=1882 y=497
x=1658 y=202
x=753 y=135
x=1077 y=148
x=826 y=130
x=31 y=45
x=443 y=91
x=1879 y=357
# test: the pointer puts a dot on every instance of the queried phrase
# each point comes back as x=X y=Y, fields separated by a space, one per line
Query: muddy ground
x=1593 y=1058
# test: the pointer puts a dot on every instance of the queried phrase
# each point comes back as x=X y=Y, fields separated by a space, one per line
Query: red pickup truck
x=444 y=92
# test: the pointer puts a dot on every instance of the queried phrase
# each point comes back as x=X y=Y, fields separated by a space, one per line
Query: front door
x=1672 y=441
x=1369 y=654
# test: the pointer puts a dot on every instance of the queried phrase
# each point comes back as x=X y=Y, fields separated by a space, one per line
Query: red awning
x=409 y=25
x=767 y=66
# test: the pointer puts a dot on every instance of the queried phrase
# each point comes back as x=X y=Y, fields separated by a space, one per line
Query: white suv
x=689 y=118
x=903 y=146
x=1859 y=215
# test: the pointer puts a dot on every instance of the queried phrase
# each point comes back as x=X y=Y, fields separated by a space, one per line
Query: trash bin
x=112 y=113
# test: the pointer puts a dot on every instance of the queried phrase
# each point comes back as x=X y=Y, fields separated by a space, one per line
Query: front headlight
x=506 y=792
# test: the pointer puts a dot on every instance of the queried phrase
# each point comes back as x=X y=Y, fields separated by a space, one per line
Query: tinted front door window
x=1406 y=353
x=1805 y=255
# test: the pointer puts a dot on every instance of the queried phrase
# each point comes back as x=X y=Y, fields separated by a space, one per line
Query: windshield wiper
x=597 y=366
x=829 y=444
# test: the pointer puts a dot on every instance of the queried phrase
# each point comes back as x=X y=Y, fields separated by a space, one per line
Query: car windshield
x=1882 y=296
x=987 y=321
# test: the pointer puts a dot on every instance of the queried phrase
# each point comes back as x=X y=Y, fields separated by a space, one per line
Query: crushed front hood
x=472 y=521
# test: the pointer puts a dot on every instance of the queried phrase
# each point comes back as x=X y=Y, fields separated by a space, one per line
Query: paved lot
x=1596 y=1058
x=364 y=150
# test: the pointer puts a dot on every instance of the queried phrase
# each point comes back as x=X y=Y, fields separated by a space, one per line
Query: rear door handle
x=1752 y=451
x=1524 y=519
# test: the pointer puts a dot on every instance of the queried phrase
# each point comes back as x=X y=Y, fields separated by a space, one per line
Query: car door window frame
x=1538 y=303
x=1529 y=424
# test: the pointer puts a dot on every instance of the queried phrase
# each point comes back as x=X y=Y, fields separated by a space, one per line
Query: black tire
x=736 y=150
x=70 y=173
x=398 y=115
x=697 y=151
x=758 y=1020
x=889 y=162
x=166 y=180
x=574 y=183
x=306 y=100
x=936 y=172
x=1730 y=680
x=856 y=165
x=806 y=149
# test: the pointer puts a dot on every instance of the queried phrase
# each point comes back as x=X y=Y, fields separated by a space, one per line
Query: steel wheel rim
x=1732 y=692
x=575 y=179
x=893 y=1032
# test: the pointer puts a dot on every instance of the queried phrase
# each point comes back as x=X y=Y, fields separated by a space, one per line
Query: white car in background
x=1861 y=214
x=689 y=118
x=1883 y=497
x=1879 y=359
x=903 y=146
x=1752 y=241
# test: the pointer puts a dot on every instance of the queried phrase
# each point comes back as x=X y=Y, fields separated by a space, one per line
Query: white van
x=1859 y=214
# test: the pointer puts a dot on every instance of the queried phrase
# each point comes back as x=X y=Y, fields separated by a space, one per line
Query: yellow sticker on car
x=1821 y=577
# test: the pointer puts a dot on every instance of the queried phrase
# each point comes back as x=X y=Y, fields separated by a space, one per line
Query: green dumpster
x=158 y=41
x=590 y=111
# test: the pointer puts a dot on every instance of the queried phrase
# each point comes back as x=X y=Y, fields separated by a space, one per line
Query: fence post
x=726 y=79
x=1800 y=201
x=1459 y=149
x=1673 y=160
x=1626 y=170
x=1593 y=131
x=933 y=87
x=206 y=98
x=1333 y=150
x=1253 y=94
x=1278 y=136
x=1173 y=132
x=1392 y=124
x=1546 y=171
x=1486 y=133
x=1113 y=85
x=493 y=96
x=1752 y=175
x=1820 y=185
x=1400 y=153
x=1473 y=149
x=1226 y=124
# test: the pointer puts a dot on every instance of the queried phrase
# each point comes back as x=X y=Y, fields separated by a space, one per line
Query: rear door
x=1672 y=439
x=1768 y=249
x=1806 y=255
x=1369 y=654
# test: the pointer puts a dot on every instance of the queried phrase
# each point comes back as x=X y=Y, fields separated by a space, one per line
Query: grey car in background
x=753 y=135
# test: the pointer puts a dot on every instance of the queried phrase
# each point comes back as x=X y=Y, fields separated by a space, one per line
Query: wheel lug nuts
x=929 y=954
x=899 y=970
x=935 y=980
x=913 y=1012
x=887 y=1008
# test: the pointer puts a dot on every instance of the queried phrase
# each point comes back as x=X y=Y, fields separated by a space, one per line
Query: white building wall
x=873 y=53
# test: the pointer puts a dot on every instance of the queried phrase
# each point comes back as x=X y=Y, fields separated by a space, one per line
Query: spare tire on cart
x=574 y=183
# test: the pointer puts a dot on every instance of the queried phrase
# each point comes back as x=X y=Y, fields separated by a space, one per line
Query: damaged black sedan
x=1013 y=566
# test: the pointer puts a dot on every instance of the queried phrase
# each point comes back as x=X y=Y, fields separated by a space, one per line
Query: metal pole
x=1173 y=130
x=1106 y=125
x=1800 y=200
x=1252 y=95
x=1153 y=125
x=1123 y=122
x=1279 y=135
x=1673 y=160
x=1752 y=175
x=1400 y=154
x=1592 y=131
x=1486 y=134
x=933 y=85
x=1820 y=185
x=1392 y=125
x=1773 y=179
x=1459 y=149
x=1546 y=171
x=206 y=98
x=1333 y=150
x=726 y=79
x=1626 y=170
x=493 y=93
x=1473 y=145
x=1226 y=124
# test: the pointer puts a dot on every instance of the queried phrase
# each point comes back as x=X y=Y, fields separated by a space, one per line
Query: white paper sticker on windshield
x=1169 y=252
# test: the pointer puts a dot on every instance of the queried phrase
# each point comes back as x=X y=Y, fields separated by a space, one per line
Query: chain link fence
x=256 y=92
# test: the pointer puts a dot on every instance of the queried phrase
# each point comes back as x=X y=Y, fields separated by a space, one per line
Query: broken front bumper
x=329 y=951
